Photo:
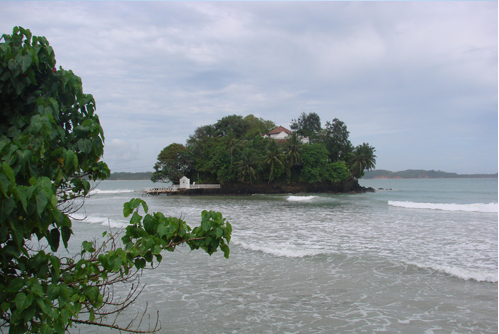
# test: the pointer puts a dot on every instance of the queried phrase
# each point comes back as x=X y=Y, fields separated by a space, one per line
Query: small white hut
x=185 y=183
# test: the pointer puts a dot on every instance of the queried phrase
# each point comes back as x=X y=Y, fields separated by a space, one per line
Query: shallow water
x=419 y=258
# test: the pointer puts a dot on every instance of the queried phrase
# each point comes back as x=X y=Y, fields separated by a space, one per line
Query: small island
x=249 y=155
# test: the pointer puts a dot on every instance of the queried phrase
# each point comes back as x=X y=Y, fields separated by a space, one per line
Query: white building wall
x=185 y=183
x=281 y=135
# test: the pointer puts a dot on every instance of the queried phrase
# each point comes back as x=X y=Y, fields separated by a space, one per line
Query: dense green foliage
x=307 y=124
x=50 y=145
x=234 y=150
x=173 y=163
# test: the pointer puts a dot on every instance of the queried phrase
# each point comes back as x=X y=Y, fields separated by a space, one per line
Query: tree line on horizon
x=420 y=174
x=235 y=150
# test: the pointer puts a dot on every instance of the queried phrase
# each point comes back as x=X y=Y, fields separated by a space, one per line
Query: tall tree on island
x=362 y=158
x=173 y=163
x=293 y=146
x=247 y=166
x=335 y=136
x=51 y=142
x=307 y=124
x=273 y=158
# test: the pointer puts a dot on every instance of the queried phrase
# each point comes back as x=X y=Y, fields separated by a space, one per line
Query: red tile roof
x=279 y=130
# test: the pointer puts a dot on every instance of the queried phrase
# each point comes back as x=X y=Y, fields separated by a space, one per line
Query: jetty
x=176 y=188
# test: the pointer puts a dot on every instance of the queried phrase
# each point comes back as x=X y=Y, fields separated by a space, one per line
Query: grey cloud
x=411 y=78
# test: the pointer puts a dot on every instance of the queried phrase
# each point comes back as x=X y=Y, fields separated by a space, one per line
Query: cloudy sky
x=416 y=80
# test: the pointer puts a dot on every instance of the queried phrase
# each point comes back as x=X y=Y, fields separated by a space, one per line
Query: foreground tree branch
x=51 y=142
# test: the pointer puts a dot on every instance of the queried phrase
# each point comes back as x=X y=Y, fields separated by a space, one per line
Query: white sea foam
x=117 y=191
x=98 y=220
x=465 y=274
x=476 y=207
x=300 y=198
x=282 y=251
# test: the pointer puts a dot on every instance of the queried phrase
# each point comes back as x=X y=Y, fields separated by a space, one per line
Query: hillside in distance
x=421 y=174
x=130 y=176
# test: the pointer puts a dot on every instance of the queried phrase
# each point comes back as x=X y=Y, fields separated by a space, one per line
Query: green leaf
x=127 y=209
x=226 y=250
x=149 y=224
x=140 y=263
x=15 y=285
x=56 y=264
x=88 y=246
x=46 y=329
x=24 y=61
x=92 y=315
x=9 y=172
x=162 y=229
x=205 y=225
x=219 y=232
x=136 y=218
x=54 y=239
x=85 y=146
x=21 y=195
x=21 y=301
x=12 y=65
x=36 y=287
x=6 y=207
x=4 y=184
x=41 y=202
x=66 y=234
x=117 y=264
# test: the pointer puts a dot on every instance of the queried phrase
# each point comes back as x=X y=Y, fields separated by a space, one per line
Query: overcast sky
x=416 y=80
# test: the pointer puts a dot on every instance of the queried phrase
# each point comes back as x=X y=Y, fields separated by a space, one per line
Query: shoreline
x=351 y=187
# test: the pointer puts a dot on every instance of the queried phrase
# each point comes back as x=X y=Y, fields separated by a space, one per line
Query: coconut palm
x=273 y=156
x=294 y=147
x=247 y=166
x=360 y=159
x=230 y=141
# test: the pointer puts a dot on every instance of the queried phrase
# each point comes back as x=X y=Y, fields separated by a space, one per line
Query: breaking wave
x=98 y=220
x=465 y=274
x=282 y=251
x=476 y=207
x=300 y=198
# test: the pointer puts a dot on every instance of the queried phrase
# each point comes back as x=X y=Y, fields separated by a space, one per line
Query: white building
x=185 y=183
x=281 y=133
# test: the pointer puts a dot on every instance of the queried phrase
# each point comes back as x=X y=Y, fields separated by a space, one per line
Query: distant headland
x=130 y=176
x=422 y=174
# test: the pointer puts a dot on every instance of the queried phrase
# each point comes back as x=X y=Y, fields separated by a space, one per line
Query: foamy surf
x=476 y=207
x=98 y=220
x=465 y=274
x=300 y=198
x=282 y=251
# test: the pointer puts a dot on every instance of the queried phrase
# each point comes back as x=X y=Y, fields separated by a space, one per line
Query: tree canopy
x=234 y=150
x=173 y=162
x=307 y=124
x=51 y=142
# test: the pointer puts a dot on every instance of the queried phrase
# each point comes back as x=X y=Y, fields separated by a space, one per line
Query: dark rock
x=246 y=189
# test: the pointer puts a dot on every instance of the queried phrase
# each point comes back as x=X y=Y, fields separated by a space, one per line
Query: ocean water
x=418 y=256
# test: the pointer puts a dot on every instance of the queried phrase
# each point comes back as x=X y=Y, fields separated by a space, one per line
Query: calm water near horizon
x=419 y=256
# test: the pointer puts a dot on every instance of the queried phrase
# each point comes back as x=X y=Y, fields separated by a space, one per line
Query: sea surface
x=417 y=256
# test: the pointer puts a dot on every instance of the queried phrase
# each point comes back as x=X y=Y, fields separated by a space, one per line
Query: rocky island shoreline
x=351 y=187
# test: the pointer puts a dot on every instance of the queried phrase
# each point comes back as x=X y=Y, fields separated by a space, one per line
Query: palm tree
x=273 y=156
x=247 y=166
x=294 y=148
x=230 y=141
x=360 y=159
